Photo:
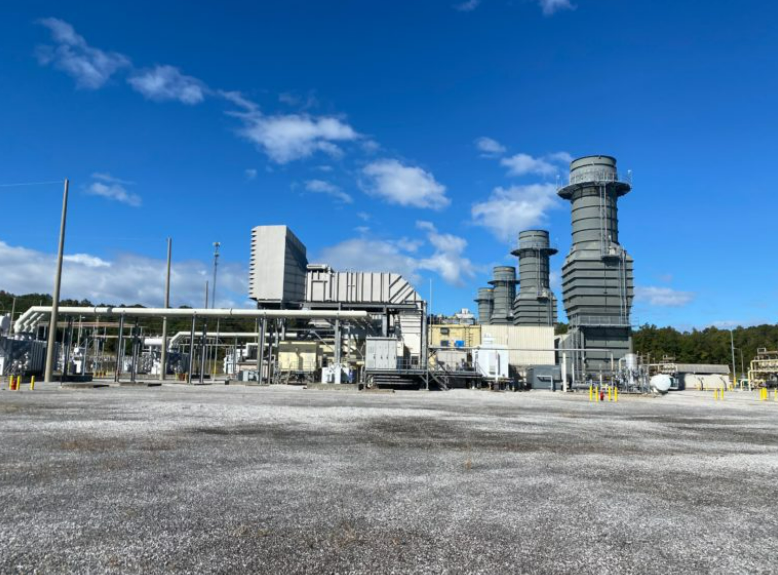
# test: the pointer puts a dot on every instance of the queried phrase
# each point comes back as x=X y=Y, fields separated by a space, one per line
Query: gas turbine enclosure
x=278 y=267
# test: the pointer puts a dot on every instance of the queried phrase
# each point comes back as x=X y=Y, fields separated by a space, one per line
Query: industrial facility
x=317 y=326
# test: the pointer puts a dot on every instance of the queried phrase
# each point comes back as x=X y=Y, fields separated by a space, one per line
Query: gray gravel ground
x=236 y=479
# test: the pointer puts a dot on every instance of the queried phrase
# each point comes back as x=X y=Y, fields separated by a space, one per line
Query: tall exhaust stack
x=485 y=301
x=504 y=282
x=597 y=277
x=535 y=303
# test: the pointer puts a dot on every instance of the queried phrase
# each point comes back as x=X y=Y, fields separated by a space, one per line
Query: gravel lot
x=238 y=479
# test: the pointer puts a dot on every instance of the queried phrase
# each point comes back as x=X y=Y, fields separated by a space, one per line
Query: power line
x=30 y=184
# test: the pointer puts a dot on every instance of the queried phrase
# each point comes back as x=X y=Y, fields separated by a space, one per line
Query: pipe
x=25 y=318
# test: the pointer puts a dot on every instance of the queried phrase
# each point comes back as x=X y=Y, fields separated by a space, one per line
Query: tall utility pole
x=732 y=343
x=215 y=267
x=163 y=359
x=13 y=312
x=52 y=340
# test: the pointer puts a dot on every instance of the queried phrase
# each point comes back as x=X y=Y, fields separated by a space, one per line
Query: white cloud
x=510 y=210
x=127 y=279
x=467 y=6
x=322 y=187
x=285 y=138
x=662 y=296
x=489 y=147
x=550 y=7
x=90 y=67
x=402 y=255
x=167 y=83
x=371 y=255
x=250 y=174
x=113 y=189
x=364 y=216
x=524 y=164
x=404 y=185
x=448 y=260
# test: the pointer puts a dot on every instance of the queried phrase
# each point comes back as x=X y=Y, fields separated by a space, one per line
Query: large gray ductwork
x=535 y=303
x=597 y=277
x=504 y=282
x=485 y=301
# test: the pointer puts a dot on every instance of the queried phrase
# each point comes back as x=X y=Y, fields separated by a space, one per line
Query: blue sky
x=412 y=136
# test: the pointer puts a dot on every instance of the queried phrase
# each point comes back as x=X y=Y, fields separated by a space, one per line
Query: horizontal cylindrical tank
x=661 y=383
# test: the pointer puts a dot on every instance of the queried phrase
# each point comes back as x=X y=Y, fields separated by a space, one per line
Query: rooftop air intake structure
x=504 y=282
x=485 y=301
x=597 y=277
x=535 y=304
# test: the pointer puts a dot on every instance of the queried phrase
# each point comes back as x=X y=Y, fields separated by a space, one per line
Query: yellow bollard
x=591 y=393
x=775 y=394
x=722 y=393
x=615 y=394
x=715 y=394
x=32 y=383
x=18 y=383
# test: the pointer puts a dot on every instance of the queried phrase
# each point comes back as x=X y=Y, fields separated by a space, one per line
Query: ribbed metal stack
x=485 y=301
x=535 y=303
x=504 y=282
x=597 y=277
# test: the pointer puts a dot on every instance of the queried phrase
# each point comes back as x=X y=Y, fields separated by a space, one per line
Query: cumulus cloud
x=447 y=260
x=467 y=6
x=404 y=185
x=126 y=279
x=445 y=255
x=662 y=296
x=510 y=210
x=167 y=83
x=90 y=67
x=371 y=255
x=523 y=164
x=489 y=147
x=114 y=189
x=550 y=7
x=322 y=187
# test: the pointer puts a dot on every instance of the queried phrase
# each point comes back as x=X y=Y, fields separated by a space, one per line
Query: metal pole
x=564 y=371
x=55 y=296
x=203 y=350
x=191 y=351
x=260 y=348
x=163 y=358
x=734 y=368
x=13 y=312
x=119 y=344
x=215 y=266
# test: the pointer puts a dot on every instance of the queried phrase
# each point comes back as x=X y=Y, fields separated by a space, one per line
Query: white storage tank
x=661 y=383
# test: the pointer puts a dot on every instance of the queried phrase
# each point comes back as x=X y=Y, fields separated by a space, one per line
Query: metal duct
x=535 y=303
x=485 y=301
x=597 y=277
x=504 y=282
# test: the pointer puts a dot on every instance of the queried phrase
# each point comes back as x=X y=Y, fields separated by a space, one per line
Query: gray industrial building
x=535 y=304
x=597 y=276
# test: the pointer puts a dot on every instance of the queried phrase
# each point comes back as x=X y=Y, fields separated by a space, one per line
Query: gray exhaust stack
x=504 y=282
x=535 y=304
x=597 y=277
x=485 y=301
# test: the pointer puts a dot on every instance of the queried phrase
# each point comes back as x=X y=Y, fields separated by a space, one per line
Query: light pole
x=52 y=340
x=215 y=267
x=163 y=358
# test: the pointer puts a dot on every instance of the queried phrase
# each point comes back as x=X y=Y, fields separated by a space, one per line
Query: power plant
x=316 y=325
